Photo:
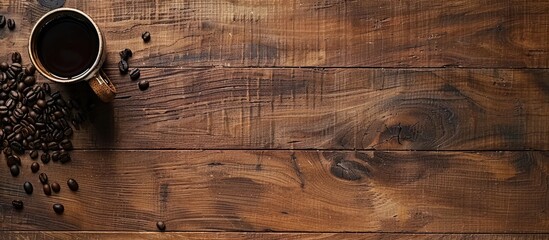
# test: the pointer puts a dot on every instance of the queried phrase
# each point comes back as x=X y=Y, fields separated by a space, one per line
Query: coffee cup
x=66 y=46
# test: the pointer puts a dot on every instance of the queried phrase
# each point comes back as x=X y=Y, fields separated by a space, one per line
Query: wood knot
x=349 y=170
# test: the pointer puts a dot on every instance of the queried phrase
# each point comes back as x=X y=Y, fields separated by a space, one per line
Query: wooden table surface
x=316 y=119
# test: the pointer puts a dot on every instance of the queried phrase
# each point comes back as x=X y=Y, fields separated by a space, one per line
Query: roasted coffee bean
x=125 y=54
x=55 y=156
x=14 y=170
x=35 y=167
x=143 y=85
x=11 y=24
x=4 y=66
x=47 y=189
x=17 y=204
x=17 y=148
x=58 y=208
x=68 y=132
x=13 y=160
x=146 y=36
x=64 y=157
x=2 y=21
x=16 y=57
x=27 y=186
x=46 y=87
x=66 y=144
x=73 y=185
x=29 y=80
x=123 y=66
x=30 y=70
x=34 y=154
x=55 y=187
x=16 y=68
x=45 y=157
x=135 y=74
x=43 y=178
x=161 y=226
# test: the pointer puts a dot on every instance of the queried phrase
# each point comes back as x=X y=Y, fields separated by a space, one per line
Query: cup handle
x=102 y=86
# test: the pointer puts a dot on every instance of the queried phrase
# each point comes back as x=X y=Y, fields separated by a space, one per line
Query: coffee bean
x=14 y=170
x=55 y=187
x=143 y=85
x=11 y=24
x=35 y=167
x=161 y=226
x=16 y=57
x=17 y=147
x=30 y=70
x=2 y=21
x=13 y=160
x=135 y=74
x=64 y=157
x=4 y=66
x=34 y=154
x=43 y=178
x=146 y=36
x=45 y=158
x=28 y=187
x=47 y=189
x=123 y=66
x=58 y=208
x=125 y=54
x=29 y=80
x=17 y=204
x=46 y=87
x=73 y=185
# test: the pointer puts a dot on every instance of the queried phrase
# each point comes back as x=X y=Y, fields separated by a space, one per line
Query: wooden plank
x=313 y=191
x=390 y=109
x=262 y=236
x=425 y=33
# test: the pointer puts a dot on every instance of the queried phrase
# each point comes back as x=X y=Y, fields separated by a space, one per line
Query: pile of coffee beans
x=35 y=119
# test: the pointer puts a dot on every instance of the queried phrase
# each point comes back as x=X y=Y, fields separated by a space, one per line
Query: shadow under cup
x=66 y=46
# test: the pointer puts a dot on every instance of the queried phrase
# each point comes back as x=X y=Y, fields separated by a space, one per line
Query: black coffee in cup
x=67 y=46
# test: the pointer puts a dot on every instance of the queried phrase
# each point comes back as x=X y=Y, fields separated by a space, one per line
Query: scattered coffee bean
x=2 y=21
x=11 y=24
x=28 y=187
x=125 y=54
x=16 y=57
x=45 y=158
x=73 y=185
x=35 y=167
x=4 y=66
x=58 y=208
x=14 y=170
x=47 y=189
x=123 y=66
x=135 y=74
x=55 y=187
x=43 y=178
x=143 y=85
x=29 y=80
x=17 y=204
x=146 y=36
x=34 y=154
x=13 y=160
x=161 y=226
x=64 y=157
x=30 y=70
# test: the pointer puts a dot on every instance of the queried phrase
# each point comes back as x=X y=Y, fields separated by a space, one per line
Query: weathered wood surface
x=425 y=33
x=316 y=191
x=418 y=109
x=260 y=236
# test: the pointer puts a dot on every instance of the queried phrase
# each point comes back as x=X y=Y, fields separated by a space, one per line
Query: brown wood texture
x=387 y=33
x=418 y=109
x=316 y=191
x=261 y=236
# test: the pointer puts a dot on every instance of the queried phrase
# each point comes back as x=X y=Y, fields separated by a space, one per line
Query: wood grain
x=261 y=236
x=313 y=191
x=425 y=33
x=389 y=109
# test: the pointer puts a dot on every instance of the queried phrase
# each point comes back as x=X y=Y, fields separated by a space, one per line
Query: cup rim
x=82 y=76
